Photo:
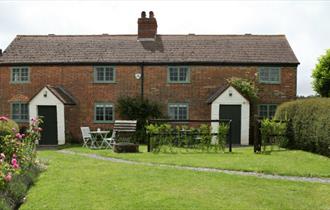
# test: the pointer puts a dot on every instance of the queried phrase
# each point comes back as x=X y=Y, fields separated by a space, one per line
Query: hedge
x=310 y=124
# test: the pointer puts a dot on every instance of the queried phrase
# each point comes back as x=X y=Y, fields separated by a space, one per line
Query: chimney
x=0 y=52
x=147 y=27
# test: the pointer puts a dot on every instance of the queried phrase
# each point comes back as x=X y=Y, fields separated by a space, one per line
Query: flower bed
x=18 y=164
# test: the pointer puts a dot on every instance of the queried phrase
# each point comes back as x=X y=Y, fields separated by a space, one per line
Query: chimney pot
x=143 y=14
x=151 y=14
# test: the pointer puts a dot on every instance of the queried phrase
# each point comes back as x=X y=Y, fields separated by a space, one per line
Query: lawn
x=75 y=182
x=283 y=162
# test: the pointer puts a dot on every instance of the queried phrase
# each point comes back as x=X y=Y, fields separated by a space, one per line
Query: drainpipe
x=142 y=80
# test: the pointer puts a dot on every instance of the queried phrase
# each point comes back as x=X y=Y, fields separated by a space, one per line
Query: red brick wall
x=78 y=80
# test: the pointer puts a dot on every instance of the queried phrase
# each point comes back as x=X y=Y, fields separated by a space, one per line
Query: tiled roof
x=62 y=94
x=222 y=49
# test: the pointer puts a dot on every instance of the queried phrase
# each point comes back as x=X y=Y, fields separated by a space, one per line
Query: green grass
x=75 y=182
x=283 y=162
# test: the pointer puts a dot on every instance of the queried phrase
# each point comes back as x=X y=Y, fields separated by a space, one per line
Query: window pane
x=108 y=74
x=264 y=75
x=263 y=111
x=172 y=112
x=24 y=74
x=15 y=75
x=173 y=74
x=182 y=113
x=100 y=74
x=274 y=75
x=272 y=110
x=108 y=113
x=183 y=74
x=99 y=115
x=24 y=112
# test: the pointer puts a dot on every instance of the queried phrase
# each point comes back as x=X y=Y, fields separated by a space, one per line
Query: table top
x=101 y=132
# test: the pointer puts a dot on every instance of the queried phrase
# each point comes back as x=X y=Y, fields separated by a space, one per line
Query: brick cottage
x=76 y=80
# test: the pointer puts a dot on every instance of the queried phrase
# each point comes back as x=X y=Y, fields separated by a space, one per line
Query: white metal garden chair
x=86 y=135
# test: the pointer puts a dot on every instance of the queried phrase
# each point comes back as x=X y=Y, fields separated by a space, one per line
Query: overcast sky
x=305 y=23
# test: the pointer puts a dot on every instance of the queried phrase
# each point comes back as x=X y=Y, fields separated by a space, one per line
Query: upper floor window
x=103 y=112
x=20 y=75
x=178 y=74
x=20 y=112
x=178 y=111
x=104 y=74
x=267 y=110
x=271 y=75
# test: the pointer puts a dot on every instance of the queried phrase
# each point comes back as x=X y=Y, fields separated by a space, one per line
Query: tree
x=321 y=75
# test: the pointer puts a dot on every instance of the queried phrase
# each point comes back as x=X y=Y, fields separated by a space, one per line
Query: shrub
x=163 y=137
x=17 y=161
x=135 y=108
x=246 y=87
x=272 y=132
x=7 y=126
x=223 y=130
x=310 y=129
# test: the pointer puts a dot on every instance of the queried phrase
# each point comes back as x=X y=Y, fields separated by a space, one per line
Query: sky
x=305 y=23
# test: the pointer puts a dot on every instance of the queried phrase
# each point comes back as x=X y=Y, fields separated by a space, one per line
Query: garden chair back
x=86 y=135
x=124 y=130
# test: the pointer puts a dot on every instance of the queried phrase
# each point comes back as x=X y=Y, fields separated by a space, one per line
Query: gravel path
x=242 y=173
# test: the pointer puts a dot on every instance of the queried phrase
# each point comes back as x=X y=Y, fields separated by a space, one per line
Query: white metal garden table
x=96 y=135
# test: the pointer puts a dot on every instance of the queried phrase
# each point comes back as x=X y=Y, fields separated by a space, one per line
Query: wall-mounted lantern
x=230 y=93
x=45 y=93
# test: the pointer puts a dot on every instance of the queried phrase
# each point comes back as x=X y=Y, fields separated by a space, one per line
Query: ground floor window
x=178 y=111
x=267 y=110
x=20 y=112
x=103 y=112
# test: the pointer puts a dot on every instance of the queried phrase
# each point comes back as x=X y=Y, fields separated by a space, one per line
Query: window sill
x=103 y=122
x=270 y=83
x=96 y=82
x=19 y=83
x=178 y=82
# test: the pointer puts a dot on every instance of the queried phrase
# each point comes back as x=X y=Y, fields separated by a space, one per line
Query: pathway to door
x=202 y=169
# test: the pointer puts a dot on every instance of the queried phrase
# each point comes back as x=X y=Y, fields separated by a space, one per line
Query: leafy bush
x=272 y=132
x=135 y=108
x=246 y=87
x=310 y=129
x=223 y=130
x=165 y=138
x=17 y=159
x=7 y=126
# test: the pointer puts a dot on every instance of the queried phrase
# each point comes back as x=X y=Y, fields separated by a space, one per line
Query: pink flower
x=34 y=119
x=16 y=166
x=13 y=161
x=39 y=129
x=14 y=130
x=18 y=135
x=14 y=155
x=2 y=156
x=8 y=177
x=3 y=118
